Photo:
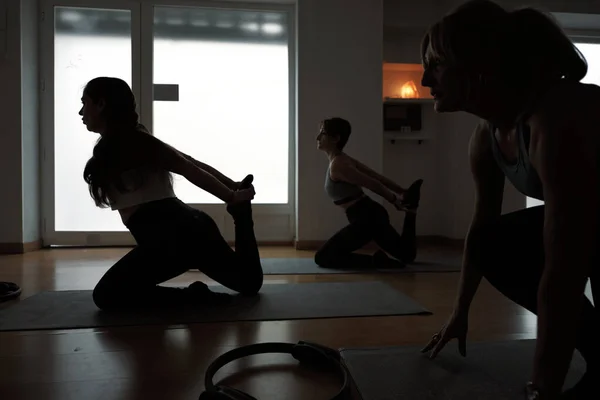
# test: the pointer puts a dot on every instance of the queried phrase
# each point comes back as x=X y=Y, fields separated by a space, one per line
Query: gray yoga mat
x=75 y=309
x=307 y=266
x=491 y=371
x=426 y=262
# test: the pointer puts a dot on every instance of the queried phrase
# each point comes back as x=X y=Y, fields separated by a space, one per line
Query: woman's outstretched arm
x=390 y=184
x=150 y=150
x=343 y=168
x=213 y=171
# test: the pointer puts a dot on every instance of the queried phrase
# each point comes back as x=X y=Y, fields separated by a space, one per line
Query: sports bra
x=339 y=191
x=156 y=185
x=521 y=173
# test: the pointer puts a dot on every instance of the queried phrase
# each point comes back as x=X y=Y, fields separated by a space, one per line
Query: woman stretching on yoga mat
x=540 y=125
x=130 y=171
x=368 y=219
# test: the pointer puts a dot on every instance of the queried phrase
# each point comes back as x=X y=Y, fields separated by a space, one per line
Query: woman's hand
x=400 y=205
x=532 y=392
x=240 y=196
x=456 y=328
x=236 y=186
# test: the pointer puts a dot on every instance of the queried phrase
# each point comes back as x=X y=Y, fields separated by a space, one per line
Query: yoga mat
x=76 y=309
x=307 y=266
x=491 y=371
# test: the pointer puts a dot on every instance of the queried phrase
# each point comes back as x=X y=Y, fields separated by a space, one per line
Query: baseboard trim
x=20 y=248
x=264 y=243
x=268 y=243
x=425 y=240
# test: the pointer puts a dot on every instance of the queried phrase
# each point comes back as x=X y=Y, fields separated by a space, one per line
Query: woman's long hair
x=112 y=154
x=525 y=47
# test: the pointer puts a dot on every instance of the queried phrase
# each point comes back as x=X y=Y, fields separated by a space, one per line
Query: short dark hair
x=526 y=47
x=338 y=127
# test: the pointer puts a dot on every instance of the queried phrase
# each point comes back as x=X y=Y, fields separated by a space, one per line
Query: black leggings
x=510 y=254
x=172 y=238
x=369 y=221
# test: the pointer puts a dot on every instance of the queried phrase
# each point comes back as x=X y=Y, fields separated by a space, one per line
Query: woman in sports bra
x=368 y=220
x=130 y=171
x=521 y=75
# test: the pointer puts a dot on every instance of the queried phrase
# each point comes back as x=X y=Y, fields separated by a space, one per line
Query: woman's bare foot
x=382 y=261
x=199 y=294
x=242 y=209
x=412 y=196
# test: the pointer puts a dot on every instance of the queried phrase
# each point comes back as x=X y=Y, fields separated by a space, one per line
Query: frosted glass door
x=88 y=43
x=215 y=83
x=81 y=40
x=221 y=93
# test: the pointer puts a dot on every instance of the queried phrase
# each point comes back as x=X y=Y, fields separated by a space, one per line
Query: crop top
x=339 y=191
x=156 y=185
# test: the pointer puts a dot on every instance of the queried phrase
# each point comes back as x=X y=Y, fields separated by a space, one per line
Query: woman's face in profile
x=447 y=85
x=91 y=113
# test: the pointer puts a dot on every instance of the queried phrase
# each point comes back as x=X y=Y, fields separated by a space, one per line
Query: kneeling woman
x=369 y=220
x=130 y=171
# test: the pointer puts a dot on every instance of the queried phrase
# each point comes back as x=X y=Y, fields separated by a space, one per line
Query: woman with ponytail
x=520 y=74
x=130 y=171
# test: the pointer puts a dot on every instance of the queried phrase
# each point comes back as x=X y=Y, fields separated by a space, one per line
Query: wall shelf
x=402 y=86
x=402 y=67
x=405 y=136
x=408 y=101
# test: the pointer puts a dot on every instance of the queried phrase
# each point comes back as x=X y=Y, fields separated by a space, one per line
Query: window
x=231 y=70
x=591 y=52
x=88 y=43
x=230 y=108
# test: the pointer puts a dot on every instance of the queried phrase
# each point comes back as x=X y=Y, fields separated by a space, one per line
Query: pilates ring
x=311 y=354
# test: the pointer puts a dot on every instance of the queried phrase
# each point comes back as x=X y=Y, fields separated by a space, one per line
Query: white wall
x=10 y=128
x=19 y=183
x=340 y=55
x=30 y=121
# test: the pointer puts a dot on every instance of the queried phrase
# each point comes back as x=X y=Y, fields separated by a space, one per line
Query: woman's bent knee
x=102 y=297
x=322 y=258
x=252 y=285
x=109 y=297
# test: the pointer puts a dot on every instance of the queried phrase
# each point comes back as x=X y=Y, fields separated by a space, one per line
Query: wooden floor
x=164 y=363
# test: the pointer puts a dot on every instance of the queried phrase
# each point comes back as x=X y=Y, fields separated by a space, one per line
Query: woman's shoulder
x=139 y=143
x=569 y=110
x=567 y=100
x=340 y=165
x=342 y=160
x=481 y=137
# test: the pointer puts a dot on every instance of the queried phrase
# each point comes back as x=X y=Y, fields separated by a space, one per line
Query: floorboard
x=158 y=363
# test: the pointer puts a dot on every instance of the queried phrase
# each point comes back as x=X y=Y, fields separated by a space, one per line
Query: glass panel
x=531 y=202
x=591 y=52
x=88 y=43
x=232 y=107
